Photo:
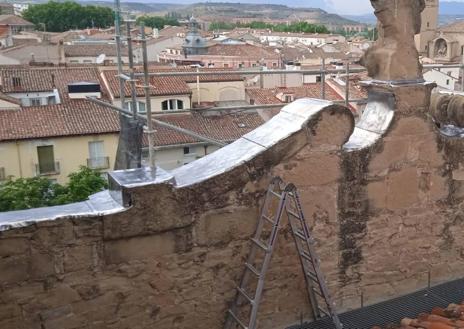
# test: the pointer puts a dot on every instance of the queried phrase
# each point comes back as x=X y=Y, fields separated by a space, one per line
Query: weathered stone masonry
x=383 y=215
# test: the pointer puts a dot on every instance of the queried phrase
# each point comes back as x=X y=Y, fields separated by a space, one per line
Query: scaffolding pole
x=150 y=130
x=159 y=123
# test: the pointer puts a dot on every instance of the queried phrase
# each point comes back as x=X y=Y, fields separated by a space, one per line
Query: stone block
x=316 y=169
x=395 y=150
x=14 y=246
x=78 y=258
x=139 y=248
x=377 y=194
x=221 y=227
x=411 y=126
x=42 y=264
x=439 y=187
x=403 y=189
x=14 y=269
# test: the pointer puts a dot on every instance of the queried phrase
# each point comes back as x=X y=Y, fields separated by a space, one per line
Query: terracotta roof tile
x=47 y=79
x=76 y=117
x=245 y=51
x=92 y=50
x=269 y=95
x=225 y=127
x=451 y=317
x=13 y=20
x=166 y=85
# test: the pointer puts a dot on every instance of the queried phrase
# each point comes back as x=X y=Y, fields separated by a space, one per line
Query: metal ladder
x=279 y=199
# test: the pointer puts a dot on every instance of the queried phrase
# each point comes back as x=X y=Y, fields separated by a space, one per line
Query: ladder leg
x=250 y=270
x=314 y=278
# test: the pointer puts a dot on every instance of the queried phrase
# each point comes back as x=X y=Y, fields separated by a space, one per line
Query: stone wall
x=382 y=216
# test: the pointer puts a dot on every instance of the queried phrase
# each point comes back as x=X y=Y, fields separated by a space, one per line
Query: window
x=97 y=158
x=186 y=150
x=141 y=108
x=318 y=78
x=428 y=24
x=16 y=82
x=274 y=64
x=46 y=158
x=172 y=105
x=288 y=98
x=447 y=82
x=226 y=65
x=35 y=102
x=51 y=100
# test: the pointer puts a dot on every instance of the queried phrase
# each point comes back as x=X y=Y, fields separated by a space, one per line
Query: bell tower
x=429 y=27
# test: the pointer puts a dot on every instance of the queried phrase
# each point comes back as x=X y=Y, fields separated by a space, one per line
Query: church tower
x=429 y=27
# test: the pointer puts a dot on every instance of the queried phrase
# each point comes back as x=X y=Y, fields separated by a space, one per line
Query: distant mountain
x=449 y=12
x=253 y=9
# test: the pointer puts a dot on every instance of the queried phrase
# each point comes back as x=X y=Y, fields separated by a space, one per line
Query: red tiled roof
x=225 y=127
x=14 y=20
x=46 y=79
x=175 y=85
x=92 y=50
x=451 y=317
x=245 y=51
x=76 y=117
x=269 y=95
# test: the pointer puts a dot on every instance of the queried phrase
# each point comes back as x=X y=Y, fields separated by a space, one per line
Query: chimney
x=61 y=54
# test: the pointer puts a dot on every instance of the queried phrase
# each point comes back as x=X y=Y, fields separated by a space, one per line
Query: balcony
x=2 y=174
x=47 y=169
x=98 y=163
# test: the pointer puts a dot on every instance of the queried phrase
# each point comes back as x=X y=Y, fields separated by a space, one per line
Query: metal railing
x=98 y=163
x=42 y=170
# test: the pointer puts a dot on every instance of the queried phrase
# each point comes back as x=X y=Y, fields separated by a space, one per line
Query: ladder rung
x=252 y=269
x=270 y=220
x=244 y=294
x=318 y=293
x=312 y=276
x=307 y=256
x=237 y=319
x=291 y=213
x=260 y=244
x=323 y=311
x=276 y=194
x=300 y=234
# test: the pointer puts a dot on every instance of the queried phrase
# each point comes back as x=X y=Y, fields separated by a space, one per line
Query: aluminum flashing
x=98 y=204
x=290 y=120
x=452 y=131
x=394 y=310
x=374 y=122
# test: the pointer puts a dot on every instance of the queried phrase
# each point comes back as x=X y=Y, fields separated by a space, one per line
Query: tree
x=158 y=22
x=26 y=193
x=64 y=16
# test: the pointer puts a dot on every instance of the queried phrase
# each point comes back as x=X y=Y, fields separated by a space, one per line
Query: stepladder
x=281 y=201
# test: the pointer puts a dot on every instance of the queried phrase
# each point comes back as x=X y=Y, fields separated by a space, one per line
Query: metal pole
x=462 y=73
x=347 y=85
x=198 y=88
x=253 y=72
x=159 y=123
x=323 y=79
x=150 y=131
x=132 y=72
x=117 y=29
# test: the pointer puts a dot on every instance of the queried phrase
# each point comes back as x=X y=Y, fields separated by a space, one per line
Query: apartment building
x=48 y=127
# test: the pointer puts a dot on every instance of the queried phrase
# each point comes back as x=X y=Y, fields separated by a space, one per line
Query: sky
x=353 y=7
